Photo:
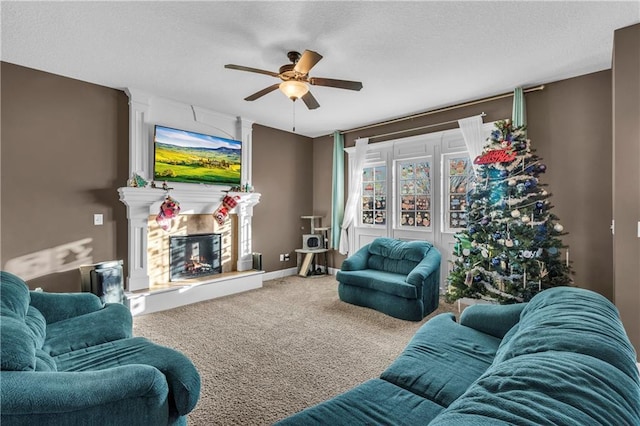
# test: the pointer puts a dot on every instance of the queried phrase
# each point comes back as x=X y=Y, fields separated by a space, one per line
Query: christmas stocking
x=169 y=209
x=222 y=212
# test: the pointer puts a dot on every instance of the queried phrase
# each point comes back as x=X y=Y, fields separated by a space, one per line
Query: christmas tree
x=511 y=249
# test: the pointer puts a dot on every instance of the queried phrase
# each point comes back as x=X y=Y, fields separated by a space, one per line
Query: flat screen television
x=190 y=157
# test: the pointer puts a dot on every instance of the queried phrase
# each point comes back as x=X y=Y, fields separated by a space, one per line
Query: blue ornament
x=503 y=173
x=472 y=230
x=495 y=261
x=497 y=235
x=542 y=168
x=539 y=205
x=477 y=278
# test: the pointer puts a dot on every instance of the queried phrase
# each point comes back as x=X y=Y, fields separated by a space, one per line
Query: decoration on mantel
x=169 y=209
x=137 y=181
x=222 y=212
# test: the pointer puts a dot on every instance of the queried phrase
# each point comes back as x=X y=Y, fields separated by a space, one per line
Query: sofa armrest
x=132 y=394
x=427 y=266
x=60 y=306
x=357 y=261
x=495 y=320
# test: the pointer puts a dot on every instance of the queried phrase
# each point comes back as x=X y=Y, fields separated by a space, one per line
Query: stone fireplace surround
x=144 y=203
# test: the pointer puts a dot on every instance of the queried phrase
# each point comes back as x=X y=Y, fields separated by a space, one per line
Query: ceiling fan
x=295 y=78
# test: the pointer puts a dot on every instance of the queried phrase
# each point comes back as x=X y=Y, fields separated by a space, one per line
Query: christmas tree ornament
x=525 y=219
x=512 y=182
x=515 y=213
x=558 y=228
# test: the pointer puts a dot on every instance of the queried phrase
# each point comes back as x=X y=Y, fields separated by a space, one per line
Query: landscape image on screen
x=183 y=156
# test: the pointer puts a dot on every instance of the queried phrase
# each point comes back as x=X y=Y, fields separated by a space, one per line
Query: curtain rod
x=435 y=111
x=417 y=128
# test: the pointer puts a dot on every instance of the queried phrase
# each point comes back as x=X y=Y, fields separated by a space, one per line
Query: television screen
x=184 y=156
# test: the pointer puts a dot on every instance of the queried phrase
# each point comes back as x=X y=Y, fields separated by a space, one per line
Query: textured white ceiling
x=410 y=56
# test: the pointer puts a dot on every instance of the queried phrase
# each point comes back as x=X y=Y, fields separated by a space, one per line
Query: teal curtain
x=518 y=115
x=337 y=182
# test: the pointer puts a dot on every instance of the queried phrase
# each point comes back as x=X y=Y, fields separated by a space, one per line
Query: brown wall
x=626 y=178
x=64 y=153
x=283 y=174
x=65 y=144
x=570 y=127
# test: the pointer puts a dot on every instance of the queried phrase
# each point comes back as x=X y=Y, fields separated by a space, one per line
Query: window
x=374 y=195
x=458 y=174
x=414 y=188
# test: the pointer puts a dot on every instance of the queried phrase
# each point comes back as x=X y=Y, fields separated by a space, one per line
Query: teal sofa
x=398 y=278
x=69 y=359
x=563 y=358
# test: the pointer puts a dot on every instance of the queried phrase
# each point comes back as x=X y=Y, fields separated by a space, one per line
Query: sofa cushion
x=18 y=345
x=560 y=388
x=571 y=320
x=37 y=324
x=400 y=250
x=181 y=374
x=374 y=402
x=44 y=361
x=442 y=360
x=385 y=282
x=112 y=322
x=14 y=297
x=400 y=257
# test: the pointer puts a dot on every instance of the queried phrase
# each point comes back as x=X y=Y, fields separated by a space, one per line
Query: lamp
x=294 y=89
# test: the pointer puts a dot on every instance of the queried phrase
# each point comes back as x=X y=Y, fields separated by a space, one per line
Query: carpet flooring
x=268 y=353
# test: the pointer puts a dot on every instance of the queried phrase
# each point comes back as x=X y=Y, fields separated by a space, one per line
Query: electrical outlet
x=282 y=258
x=287 y=257
x=98 y=219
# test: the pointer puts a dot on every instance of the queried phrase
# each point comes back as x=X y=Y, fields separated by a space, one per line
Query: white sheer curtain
x=473 y=135
x=355 y=182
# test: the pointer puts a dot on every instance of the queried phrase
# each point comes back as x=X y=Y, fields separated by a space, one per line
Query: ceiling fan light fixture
x=294 y=89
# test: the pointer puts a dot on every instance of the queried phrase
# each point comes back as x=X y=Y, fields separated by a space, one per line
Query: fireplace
x=194 y=256
x=148 y=246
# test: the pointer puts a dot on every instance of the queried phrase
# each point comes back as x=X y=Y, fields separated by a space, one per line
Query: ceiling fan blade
x=307 y=61
x=310 y=101
x=249 y=69
x=262 y=92
x=340 y=84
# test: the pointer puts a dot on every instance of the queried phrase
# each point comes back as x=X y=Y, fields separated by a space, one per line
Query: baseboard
x=274 y=275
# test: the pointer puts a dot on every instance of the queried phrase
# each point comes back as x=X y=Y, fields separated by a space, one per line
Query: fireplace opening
x=194 y=256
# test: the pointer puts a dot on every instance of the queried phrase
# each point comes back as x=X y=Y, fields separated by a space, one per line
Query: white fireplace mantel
x=146 y=110
x=195 y=199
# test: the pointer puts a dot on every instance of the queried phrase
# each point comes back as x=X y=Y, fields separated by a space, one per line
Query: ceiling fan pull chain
x=294 y=115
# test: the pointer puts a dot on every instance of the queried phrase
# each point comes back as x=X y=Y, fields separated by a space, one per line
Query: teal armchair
x=398 y=278
x=67 y=359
